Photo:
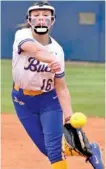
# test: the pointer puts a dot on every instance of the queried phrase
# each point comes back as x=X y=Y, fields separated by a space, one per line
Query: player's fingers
x=55 y=67
x=54 y=70
x=54 y=64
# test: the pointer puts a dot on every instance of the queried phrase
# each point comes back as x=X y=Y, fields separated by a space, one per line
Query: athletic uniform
x=35 y=98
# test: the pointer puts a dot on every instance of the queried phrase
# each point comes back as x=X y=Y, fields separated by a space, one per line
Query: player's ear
x=53 y=21
x=28 y=17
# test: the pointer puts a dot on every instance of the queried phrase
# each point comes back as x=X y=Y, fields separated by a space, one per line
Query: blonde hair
x=24 y=25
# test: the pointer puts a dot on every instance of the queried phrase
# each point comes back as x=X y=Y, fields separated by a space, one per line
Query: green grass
x=86 y=83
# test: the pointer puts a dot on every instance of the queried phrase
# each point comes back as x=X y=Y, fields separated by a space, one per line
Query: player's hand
x=55 y=66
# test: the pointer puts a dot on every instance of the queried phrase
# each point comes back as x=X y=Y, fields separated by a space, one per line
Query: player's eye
x=46 y=15
x=36 y=15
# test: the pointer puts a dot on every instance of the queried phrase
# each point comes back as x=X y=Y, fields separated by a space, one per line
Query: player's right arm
x=38 y=52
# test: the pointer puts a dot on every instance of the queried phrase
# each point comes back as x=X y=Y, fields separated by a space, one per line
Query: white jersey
x=29 y=73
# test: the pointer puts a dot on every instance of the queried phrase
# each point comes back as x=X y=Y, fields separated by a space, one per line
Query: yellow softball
x=78 y=120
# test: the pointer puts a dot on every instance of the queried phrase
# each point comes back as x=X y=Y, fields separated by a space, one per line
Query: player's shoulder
x=57 y=45
x=23 y=31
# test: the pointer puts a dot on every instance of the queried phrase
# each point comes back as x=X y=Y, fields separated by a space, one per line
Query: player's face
x=41 y=18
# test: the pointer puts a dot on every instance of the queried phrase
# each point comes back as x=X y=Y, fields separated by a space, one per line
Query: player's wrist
x=67 y=119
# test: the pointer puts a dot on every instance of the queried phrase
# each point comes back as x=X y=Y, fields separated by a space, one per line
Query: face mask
x=41 y=27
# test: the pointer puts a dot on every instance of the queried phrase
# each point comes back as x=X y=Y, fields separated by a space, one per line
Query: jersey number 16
x=46 y=84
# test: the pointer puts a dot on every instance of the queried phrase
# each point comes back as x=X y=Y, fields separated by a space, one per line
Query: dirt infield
x=18 y=151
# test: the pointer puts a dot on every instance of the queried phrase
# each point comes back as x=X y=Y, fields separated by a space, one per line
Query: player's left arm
x=62 y=89
x=76 y=138
x=63 y=96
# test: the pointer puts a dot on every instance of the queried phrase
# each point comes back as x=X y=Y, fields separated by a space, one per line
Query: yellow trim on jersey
x=28 y=92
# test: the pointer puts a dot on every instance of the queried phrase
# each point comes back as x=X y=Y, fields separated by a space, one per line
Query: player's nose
x=41 y=18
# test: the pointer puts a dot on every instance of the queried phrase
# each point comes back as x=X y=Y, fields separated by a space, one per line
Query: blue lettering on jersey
x=35 y=66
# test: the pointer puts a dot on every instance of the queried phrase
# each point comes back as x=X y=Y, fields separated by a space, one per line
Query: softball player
x=40 y=94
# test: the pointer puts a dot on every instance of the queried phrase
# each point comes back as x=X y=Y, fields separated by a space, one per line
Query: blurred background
x=80 y=30
x=79 y=27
